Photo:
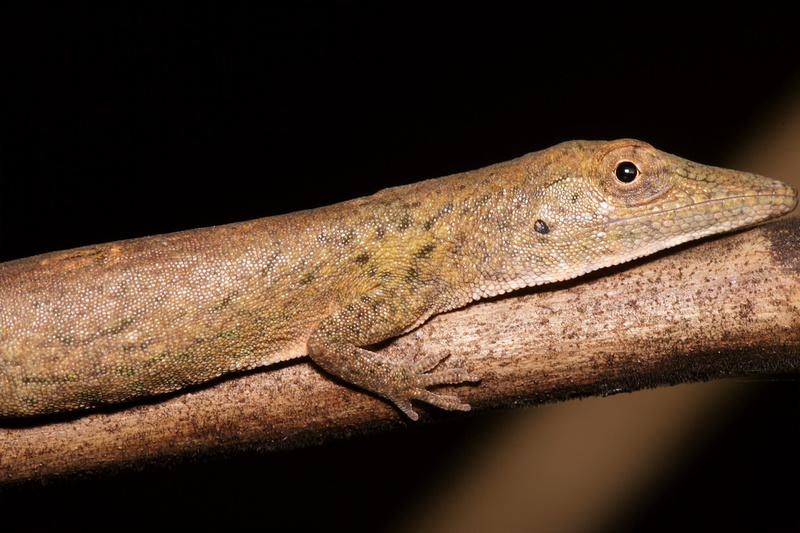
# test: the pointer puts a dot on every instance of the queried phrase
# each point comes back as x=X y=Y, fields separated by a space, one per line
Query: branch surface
x=724 y=307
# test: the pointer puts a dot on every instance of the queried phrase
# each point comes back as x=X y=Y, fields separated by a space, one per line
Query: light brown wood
x=724 y=307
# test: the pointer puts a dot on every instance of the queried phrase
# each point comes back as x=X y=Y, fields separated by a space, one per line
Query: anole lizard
x=113 y=322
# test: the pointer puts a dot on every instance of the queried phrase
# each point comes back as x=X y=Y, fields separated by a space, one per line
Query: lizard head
x=594 y=204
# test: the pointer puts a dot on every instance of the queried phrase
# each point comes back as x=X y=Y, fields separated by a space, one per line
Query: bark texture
x=728 y=306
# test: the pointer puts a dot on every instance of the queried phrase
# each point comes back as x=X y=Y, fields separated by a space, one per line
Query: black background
x=123 y=120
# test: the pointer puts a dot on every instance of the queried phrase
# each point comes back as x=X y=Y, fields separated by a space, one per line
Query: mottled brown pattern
x=109 y=323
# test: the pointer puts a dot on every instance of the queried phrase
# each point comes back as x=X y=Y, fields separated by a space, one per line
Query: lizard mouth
x=780 y=204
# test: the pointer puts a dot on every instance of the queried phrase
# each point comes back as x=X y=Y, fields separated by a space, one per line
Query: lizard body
x=112 y=322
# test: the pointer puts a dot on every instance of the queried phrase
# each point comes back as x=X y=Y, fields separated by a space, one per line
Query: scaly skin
x=109 y=323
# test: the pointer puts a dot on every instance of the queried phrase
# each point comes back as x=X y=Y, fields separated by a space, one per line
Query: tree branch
x=725 y=307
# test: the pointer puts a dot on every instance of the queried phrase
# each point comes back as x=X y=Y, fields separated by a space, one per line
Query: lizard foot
x=415 y=378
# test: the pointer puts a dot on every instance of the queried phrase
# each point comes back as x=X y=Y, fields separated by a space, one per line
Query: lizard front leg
x=334 y=346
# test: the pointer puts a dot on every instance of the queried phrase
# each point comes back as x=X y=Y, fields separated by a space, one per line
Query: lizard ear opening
x=540 y=226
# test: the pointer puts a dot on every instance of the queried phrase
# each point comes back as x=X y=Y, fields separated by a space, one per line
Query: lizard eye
x=626 y=172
